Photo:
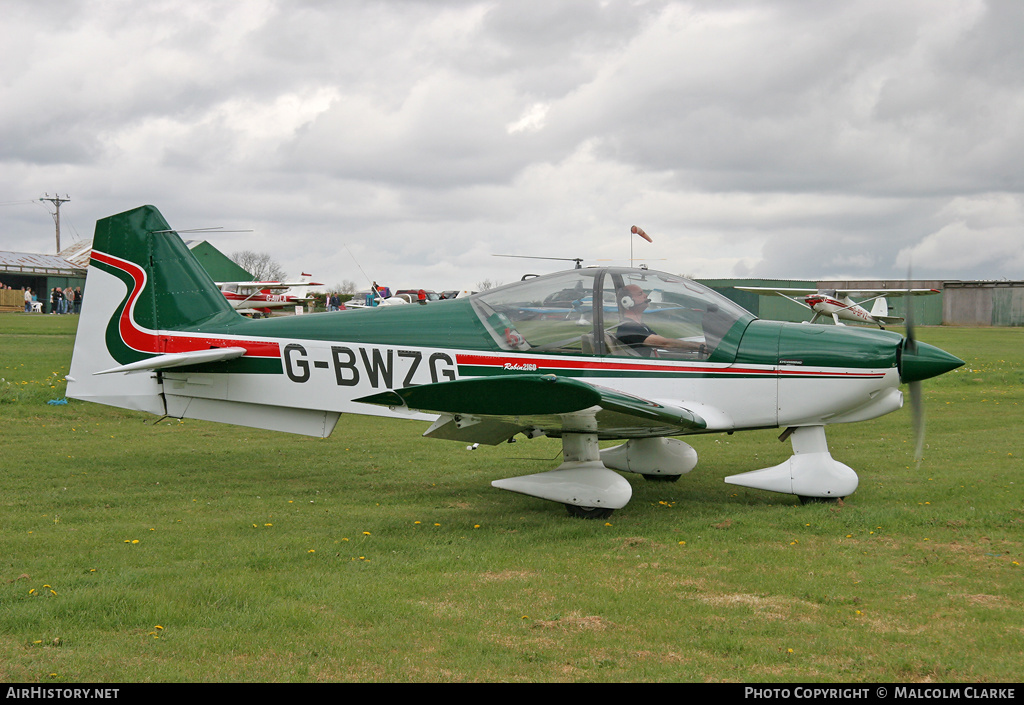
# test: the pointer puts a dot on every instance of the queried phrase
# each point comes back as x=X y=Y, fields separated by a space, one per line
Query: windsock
x=640 y=231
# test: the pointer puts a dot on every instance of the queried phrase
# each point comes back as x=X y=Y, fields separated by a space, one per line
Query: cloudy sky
x=416 y=139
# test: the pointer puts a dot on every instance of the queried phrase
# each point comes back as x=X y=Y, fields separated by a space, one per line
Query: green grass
x=376 y=555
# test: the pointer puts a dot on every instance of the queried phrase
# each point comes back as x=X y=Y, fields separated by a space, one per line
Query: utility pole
x=56 y=200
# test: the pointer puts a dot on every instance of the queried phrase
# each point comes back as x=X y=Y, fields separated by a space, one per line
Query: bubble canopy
x=557 y=314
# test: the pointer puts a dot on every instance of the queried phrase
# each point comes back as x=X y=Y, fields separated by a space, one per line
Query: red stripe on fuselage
x=604 y=365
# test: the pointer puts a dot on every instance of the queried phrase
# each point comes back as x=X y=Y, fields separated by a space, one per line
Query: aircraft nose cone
x=923 y=361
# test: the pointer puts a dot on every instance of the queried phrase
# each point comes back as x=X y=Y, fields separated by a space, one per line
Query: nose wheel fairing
x=810 y=472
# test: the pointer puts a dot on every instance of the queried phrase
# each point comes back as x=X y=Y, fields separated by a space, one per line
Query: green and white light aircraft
x=584 y=355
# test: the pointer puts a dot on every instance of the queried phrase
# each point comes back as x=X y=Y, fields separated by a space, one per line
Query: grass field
x=137 y=551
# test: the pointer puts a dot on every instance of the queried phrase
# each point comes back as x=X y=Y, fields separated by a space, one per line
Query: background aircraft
x=261 y=297
x=838 y=303
x=487 y=368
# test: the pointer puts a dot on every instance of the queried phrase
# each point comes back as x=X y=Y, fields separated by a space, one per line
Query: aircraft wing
x=784 y=293
x=260 y=286
x=768 y=291
x=875 y=293
x=491 y=410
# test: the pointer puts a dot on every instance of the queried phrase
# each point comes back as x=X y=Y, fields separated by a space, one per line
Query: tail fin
x=175 y=289
x=880 y=307
x=142 y=279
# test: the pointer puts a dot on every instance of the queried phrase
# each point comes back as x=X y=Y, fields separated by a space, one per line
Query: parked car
x=413 y=295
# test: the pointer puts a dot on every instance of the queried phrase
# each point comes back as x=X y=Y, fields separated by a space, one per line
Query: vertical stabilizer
x=141 y=280
x=176 y=290
x=880 y=307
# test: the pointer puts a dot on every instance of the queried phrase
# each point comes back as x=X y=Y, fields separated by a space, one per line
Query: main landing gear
x=586 y=482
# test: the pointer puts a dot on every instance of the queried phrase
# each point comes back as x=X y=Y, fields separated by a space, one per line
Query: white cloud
x=765 y=138
x=984 y=233
x=532 y=120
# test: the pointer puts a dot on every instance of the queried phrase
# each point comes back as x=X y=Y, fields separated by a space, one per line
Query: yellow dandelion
x=366 y=533
x=158 y=627
x=312 y=550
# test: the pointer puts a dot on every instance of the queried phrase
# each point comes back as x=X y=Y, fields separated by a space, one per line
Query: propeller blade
x=911 y=344
x=917 y=409
x=916 y=395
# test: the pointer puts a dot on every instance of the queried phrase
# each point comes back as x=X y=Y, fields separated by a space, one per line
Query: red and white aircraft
x=838 y=304
x=257 y=298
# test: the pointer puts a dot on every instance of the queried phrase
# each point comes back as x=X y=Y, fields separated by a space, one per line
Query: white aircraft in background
x=838 y=304
x=257 y=298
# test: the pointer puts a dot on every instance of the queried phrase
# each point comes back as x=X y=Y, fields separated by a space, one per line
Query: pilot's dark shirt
x=634 y=334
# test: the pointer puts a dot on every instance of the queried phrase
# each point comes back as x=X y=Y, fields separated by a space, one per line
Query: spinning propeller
x=914 y=387
x=919 y=361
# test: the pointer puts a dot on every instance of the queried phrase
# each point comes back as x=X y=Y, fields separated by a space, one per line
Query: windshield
x=543 y=314
x=642 y=314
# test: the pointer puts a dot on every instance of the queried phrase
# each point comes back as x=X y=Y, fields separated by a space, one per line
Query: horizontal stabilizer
x=194 y=357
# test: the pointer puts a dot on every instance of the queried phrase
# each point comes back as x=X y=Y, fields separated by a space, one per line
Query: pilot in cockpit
x=633 y=301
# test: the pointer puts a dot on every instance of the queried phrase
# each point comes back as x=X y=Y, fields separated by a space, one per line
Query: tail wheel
x=818 y=500
x=589 y=512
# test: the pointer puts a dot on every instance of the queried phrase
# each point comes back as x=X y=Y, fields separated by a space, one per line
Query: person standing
x=28 y=300
x=55 y=299
x=78 y=299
